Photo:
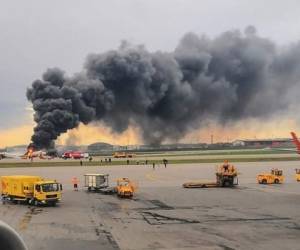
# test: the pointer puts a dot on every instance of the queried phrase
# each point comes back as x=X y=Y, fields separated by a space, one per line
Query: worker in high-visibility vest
x=75 y=183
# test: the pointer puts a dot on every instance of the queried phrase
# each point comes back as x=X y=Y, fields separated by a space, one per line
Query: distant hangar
x=259 y=143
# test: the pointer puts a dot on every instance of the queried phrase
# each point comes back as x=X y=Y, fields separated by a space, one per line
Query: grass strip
x=133 y=162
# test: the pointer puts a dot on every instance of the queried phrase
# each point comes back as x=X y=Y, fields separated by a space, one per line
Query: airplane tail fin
x=296 y=141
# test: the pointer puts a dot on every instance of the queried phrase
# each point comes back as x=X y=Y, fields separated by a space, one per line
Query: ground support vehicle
x=125 y=188
x=123 y=155
x=226 y=176
x=95 y=182
x=274 y=177
x=297 y=174
x=30 y=189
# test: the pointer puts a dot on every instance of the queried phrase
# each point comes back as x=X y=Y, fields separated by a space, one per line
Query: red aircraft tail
x=296 y=141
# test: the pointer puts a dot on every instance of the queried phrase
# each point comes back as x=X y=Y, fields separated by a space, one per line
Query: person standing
x=153 y=165
x=75 y=183
x=165 y=161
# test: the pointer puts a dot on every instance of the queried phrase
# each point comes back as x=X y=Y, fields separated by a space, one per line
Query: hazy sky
x=35 y=35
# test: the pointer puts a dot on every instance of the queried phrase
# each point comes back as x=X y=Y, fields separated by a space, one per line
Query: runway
x=163 y=215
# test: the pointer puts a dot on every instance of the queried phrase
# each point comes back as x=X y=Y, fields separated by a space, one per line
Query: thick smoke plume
x=235 y=76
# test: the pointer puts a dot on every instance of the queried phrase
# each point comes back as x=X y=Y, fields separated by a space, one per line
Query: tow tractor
x=226 y=176
x=275 y=177
x=125 y=188
x=297 y=174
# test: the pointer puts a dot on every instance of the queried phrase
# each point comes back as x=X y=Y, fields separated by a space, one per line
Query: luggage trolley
x=95 y=182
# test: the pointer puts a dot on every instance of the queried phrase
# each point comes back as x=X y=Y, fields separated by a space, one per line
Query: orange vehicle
x=275 y=177
x=123 y=155
x=226 y=176
x=125 y=188
x=297 y=174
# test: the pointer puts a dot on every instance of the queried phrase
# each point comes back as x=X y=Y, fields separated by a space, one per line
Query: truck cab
x=46 y=192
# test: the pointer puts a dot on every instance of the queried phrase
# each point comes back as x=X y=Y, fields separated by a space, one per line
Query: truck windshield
x=50 y=187
x=123 y=183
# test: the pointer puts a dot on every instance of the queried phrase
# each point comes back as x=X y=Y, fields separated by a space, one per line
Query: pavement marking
x=151 y=176
x=271 y=189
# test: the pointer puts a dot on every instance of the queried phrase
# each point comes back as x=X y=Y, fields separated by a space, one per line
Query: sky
x=36 y=35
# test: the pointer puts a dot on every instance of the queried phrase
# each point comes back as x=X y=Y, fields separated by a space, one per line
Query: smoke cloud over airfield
x=235 y=76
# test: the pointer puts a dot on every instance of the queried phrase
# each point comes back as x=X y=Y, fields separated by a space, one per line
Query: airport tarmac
x=163 y=215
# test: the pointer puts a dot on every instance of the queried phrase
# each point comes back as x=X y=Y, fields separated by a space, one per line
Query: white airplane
x=4 y=155
x=30 y=154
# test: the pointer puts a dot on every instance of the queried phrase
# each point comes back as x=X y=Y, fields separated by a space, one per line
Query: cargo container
x=96 y=181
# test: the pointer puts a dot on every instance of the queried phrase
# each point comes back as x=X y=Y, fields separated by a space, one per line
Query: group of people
x=91 y=159
x=164 y=161
x=108 y=160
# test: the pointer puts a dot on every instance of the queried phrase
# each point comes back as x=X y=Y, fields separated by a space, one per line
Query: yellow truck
x=33 y=190
x=275 y=177
x=297 y=174
x=125 y=188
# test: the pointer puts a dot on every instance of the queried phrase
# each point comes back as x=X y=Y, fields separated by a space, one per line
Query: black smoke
x=234 y=76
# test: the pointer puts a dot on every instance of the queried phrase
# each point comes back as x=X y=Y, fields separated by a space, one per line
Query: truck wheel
x=264 y=181
x=276 y=181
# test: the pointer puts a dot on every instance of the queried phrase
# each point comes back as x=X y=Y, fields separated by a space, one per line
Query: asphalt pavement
x=162 y=214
